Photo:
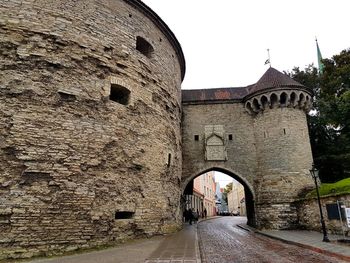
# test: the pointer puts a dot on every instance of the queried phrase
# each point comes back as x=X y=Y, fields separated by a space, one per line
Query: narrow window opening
x=66 y=96
x=144 y=47
x=119 y=94
x=169 y=159
x=196 y=137
x=230 y=137
x=124 y=215
x=284 y=131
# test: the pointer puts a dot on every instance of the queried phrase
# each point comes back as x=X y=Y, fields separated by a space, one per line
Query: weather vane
x=268 y=61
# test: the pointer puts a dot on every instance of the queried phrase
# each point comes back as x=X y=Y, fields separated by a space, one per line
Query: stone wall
x=267 y=150
x=284 y=160
x=309 y=214
x=241 y=151
x=70 y=156
x=236 y=127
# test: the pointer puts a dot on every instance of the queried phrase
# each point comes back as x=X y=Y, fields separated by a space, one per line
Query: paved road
x=221 y=241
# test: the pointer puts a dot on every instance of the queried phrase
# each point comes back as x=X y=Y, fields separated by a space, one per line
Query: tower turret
x=279 y=105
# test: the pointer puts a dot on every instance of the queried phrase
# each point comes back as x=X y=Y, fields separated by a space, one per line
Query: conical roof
x=274 y=79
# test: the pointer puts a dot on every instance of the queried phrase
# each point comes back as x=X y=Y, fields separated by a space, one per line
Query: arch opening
x=202 y=192
x=264 y=102
x=293 y=98
x=274 y=100
x=283 y=99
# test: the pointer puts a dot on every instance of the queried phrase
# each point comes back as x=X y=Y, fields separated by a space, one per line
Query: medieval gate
x=257 y=135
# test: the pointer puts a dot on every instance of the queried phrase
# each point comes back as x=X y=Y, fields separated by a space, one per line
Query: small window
x=124 y=215
x=119 y=94
x=196 y=137
x=64 y=96
x=169 y=159
x=284 y=131
x=230 y=137
x=144 y=47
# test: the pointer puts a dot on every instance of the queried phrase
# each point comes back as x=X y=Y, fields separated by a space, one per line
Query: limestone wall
x=284 y=160
x=240 y=149
x=70 y=156
x=309 y=214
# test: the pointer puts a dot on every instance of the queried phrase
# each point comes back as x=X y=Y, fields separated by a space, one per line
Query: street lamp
x=314 y=174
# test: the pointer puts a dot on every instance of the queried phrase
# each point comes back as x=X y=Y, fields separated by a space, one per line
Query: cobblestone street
x=221 y=240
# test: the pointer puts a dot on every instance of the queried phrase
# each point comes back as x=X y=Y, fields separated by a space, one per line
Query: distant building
x=218 y=197
x=204 y=192
x=236 y=199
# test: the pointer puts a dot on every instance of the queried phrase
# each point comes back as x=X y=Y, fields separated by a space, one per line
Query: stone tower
x=90 y=111
x=278 y=106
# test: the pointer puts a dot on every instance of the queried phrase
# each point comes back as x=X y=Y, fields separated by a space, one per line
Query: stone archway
x=257 y=132
x=248 y=189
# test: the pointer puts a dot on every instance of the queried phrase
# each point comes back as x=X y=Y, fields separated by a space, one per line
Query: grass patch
x=340 y=187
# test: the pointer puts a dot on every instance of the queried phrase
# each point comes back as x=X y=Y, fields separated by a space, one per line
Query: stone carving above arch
x=215 y=148
x=279 y=99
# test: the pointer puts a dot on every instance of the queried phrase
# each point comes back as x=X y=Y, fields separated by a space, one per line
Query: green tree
x=329 y=122
x=227 y=189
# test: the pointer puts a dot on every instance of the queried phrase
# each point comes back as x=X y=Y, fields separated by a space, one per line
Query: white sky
x=223 y=179
x=225 y=41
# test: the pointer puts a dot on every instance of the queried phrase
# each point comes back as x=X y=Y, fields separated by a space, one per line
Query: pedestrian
x=186 y=212
x=190 y=216
x=205 y=213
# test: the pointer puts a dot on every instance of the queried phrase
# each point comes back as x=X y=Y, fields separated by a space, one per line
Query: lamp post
x=314 y=174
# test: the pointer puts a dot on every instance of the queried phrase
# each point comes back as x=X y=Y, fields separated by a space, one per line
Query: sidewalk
x=181 y=247
x=308 y=239
x=178 y=248
x=131 y=252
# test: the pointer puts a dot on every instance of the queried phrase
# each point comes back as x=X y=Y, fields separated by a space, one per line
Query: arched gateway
x=258 y=135
x=91 y=147
x=248 y=189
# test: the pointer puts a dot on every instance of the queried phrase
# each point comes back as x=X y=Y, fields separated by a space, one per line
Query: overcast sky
x=225 y=41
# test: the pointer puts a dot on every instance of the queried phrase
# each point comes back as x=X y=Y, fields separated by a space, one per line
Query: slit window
x=169 y=159
x=119 y=94
x=124 y=215
x=196 y=137
x=144 y=47
x=64 y=96
x=230 y=137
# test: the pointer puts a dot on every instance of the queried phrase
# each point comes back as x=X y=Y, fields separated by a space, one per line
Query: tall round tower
x=90 y=111
x=278 y=105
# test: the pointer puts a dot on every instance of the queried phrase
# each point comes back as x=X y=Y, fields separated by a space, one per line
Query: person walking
x=190 y=216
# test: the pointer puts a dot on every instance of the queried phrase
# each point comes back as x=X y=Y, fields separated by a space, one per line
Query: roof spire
x=319 y=59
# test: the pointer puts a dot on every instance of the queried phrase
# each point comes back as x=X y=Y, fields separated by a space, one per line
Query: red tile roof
x=272 y=79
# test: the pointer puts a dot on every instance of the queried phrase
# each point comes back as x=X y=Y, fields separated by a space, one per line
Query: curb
x=199 y=243
x=315 y=249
